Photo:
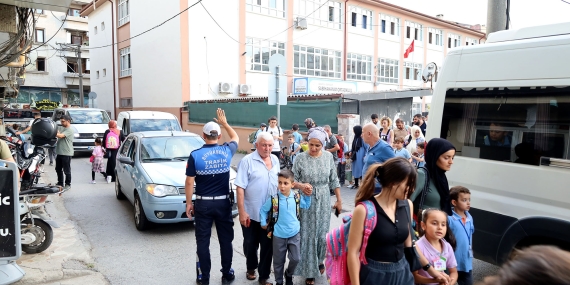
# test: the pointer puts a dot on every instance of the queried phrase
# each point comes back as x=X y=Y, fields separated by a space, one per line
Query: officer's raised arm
x=221 y=120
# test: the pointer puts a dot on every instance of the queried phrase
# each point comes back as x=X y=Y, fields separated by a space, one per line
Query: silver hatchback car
x=151 y=172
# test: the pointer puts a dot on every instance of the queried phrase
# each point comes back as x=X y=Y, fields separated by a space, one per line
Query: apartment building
x=221 y=49
x=51 y=71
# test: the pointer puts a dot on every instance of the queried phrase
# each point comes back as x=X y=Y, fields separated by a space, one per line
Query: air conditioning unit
x=301 y=23
x=245 y=89
x=226 y=87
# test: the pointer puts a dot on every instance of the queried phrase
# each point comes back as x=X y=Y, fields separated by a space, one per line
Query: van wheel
x=141 y=222
x=118 y=193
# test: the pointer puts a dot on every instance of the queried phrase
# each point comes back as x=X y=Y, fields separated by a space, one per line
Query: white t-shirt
x=277 y=131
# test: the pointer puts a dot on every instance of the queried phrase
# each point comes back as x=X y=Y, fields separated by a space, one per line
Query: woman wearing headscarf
x=414 y=138
x=439 y=154
x=315 y=174
x=357 y=153
x=112 y=147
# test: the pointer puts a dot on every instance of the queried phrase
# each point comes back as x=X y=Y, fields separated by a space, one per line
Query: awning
x=388 y=94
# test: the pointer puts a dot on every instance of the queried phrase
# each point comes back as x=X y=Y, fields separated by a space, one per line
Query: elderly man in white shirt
x=256 y=181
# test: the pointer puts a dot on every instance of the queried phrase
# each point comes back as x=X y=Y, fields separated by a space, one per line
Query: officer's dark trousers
x=206 y=212
x=253 y=238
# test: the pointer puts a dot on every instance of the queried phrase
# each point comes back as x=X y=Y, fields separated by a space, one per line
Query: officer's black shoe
x=229 y=277
x=202 y=281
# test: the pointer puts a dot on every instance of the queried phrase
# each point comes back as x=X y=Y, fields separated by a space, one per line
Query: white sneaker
x=108 y=179
x=93 y=182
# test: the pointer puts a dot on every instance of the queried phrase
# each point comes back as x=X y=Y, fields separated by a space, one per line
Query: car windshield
x=89 y=117
x=164 y=148
x=143 y=125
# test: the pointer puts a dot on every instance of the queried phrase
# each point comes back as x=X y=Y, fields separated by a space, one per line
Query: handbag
x=411 y=253
x=91 y=159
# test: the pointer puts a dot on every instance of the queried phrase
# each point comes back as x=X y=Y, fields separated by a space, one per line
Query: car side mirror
x=126 y=160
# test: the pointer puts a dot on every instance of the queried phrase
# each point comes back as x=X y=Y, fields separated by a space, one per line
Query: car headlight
x=161 y=190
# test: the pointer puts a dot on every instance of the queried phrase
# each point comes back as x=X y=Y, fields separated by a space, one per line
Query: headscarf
x=309 y=123
x=318 y=133
x=113 y=127
x=434 y=149
x=357 y=141
x=414 y=141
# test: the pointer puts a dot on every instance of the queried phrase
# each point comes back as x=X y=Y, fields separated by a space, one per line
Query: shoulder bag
x=419 y=202
x=411 y=253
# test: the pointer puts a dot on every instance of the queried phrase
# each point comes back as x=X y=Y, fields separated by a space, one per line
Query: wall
x=102 y=58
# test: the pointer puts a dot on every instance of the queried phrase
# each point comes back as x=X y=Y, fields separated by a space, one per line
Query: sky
x=524 y=13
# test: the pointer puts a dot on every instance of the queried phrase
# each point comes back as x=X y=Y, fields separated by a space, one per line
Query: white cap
x=211 y=128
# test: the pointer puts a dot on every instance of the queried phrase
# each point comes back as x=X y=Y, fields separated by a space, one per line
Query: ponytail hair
x=392 y=172
x=449 y=236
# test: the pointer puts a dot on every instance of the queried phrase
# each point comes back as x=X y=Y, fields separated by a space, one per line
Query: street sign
x=277 y=88
x=10 y=247
x=92 y=95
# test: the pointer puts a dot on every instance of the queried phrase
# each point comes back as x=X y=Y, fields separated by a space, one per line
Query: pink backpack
x=337 y=243
x=113 y=140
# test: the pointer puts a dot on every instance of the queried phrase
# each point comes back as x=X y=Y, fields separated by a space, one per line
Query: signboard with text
x=10 y=248
x=307 y=85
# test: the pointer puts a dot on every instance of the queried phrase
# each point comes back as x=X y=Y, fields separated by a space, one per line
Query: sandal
x=310 y=281
x=250 y=275
x=322 y=268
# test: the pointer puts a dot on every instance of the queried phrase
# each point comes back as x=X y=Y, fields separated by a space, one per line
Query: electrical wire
x=218 y=24
x=565 y=1
x=142 y=33
x=45 y=42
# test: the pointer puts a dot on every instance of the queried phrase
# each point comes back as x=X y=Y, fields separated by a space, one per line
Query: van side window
x=517 y=125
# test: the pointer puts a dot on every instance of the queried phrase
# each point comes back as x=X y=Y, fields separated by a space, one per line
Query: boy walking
x=461 y=224
x=284 y=225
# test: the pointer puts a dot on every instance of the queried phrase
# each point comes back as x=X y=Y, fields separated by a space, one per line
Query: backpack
x=337 y=245
x=252 y=137
x=340 y=151
x=274 y=211
x=113 y=140
x=279 y=130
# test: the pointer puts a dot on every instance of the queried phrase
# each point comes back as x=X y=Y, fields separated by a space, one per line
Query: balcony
x=75 y=23
x=72 y=79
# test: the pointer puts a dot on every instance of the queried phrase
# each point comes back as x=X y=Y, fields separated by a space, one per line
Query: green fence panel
x=251 y=114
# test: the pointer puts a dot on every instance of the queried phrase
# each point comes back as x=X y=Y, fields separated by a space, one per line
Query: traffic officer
x=209 y=167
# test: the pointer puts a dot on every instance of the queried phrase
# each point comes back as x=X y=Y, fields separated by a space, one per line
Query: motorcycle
x=35 y=223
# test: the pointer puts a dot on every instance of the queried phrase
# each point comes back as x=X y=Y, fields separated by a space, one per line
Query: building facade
x=52 y=65
x=221 y=49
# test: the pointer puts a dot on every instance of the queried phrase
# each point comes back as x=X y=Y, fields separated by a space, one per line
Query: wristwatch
x=426 y=267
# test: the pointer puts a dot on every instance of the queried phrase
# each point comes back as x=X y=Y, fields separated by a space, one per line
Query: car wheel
x=118 y=193
x=141 y=221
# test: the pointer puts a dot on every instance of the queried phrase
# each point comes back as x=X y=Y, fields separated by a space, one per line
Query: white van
x=505 y=106
x=142 y=121
x=87 y=124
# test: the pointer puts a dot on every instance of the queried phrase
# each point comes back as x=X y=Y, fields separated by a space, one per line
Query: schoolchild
x=418 y=155
x=294 y=147
x=400 y=151
x=97 y=164
x=461 y=224
x=435 y=248
x=284 y=225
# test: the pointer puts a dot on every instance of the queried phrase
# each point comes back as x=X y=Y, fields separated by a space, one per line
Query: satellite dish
x=429 y=72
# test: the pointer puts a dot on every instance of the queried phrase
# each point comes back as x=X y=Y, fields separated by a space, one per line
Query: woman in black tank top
x=384 y=253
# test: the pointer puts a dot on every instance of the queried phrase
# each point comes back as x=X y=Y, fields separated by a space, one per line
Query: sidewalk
x=68 y=260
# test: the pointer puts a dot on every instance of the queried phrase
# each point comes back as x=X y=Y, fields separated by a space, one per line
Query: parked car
x=151 y=173
x=142 y=121
x=87 y=124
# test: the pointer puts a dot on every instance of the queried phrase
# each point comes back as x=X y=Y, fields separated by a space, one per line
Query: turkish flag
x=409 y=50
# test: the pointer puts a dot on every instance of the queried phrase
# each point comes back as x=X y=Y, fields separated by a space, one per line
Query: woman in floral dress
x=315 y=173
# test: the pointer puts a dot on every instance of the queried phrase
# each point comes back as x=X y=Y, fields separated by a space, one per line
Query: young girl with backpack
x=383 y=261
x=97 y=160
x=434 y=247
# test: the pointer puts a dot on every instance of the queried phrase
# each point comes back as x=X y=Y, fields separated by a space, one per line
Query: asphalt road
x=165 y=254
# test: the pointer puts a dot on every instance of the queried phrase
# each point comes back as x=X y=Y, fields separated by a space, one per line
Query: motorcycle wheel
x=43 y=233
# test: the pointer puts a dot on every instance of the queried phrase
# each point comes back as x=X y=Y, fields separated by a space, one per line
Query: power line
x=565 y=1
x=218 y=24
x=148 y=29
x=45 y=42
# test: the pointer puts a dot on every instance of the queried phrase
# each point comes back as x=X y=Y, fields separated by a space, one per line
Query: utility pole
x=80 y=75
x=497 y=15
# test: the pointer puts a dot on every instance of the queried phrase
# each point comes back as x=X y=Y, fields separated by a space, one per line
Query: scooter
x=36 y=225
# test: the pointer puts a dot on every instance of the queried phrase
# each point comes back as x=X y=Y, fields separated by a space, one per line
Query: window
x=470 y=41
x=259 y=51
x=320 y=12
x=454 y=39
x=383 y=26
x=126 y=102
x=274 y=8
x=393 y=28
x=124 y=11
x=364 y=15
x=95 y=30
x=317 y=62
x=359 y=67
x=391 y=22
x=413 y=70
x=74 y=12
x=104 y=72
x=72 y=66
x=518 y=125
x=448 y=42
x=76 y=40
x=417 y=29
x=97 y=74
x=41 y=64
x=438 y=34
x=387 y=71
x=102 y=26
x=125 y=61
x=40 y=35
